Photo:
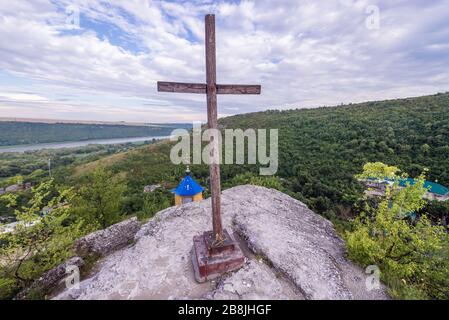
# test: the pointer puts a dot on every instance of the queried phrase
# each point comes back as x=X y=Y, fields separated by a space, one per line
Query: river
x=74 y=144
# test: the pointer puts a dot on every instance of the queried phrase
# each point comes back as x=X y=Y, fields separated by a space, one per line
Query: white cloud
x=21 y=96
x=304 y=53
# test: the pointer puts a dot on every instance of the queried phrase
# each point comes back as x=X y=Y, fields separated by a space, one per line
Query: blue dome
x=188 y=187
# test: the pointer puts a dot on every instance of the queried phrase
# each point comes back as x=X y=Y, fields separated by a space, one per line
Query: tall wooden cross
x=211 y=89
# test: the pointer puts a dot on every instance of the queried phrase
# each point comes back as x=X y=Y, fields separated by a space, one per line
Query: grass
x=89 y=167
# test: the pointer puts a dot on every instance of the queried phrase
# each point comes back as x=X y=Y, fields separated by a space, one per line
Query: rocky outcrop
x=299 y=244
x=52 y=279
x=151 y=188
x=292 y=253
x=103 y=242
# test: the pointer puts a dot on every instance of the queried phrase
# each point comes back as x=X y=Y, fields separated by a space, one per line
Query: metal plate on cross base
x=211 y=261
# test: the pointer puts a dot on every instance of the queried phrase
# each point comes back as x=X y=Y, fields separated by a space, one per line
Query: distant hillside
x=16 y=133
x=321 y=149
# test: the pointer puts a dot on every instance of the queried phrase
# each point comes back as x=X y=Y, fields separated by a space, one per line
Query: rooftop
x=188 y=187
x=433 y=187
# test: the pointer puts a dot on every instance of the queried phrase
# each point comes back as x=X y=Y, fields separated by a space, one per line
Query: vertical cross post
x=214 y=252
x=211 y=90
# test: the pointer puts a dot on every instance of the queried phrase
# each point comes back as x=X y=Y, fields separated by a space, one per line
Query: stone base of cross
x=210 y=261
x=214 y=252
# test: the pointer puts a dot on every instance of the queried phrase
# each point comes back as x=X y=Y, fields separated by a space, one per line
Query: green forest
x=322 y=149
x=321 y=152
x=17 y=133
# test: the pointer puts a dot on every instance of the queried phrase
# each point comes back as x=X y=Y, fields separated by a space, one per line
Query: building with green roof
x=436 y=191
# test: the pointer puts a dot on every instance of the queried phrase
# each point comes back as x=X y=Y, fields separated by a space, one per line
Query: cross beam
x=211 y=89
x=184 y=87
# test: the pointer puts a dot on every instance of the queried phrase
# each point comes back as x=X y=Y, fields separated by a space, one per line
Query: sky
x=100 y=60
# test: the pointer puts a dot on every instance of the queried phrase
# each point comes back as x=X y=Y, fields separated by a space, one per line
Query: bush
x=413 y=256
x=154 y=202
x=99 y=200
x=250 y=178
x=8 y=288
x=41 y=240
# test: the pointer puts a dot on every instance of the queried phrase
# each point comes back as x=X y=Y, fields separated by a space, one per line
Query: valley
x=320 y=152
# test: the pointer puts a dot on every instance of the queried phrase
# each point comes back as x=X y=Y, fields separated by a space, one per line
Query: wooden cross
x=211 y=89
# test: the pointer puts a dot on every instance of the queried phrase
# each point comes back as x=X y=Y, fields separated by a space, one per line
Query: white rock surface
x=304 y=258
x=103 y=242
x=255 y=281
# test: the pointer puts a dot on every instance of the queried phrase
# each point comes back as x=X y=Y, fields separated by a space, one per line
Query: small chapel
x=188 y=190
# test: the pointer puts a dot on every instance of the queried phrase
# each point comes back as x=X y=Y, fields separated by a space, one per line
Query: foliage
x=8 y=288
x=250 y=178
x=154 y=202
x=378 y=170
x=17 y=179
x=33 y=165
x=42 y=238
x=412 y=256
x=437 y=211
x=321 y=149
x=99 y=199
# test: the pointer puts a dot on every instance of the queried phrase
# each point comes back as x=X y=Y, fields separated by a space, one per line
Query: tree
x=378 y=170
x=425 y=148
x=42 y=238
x=250 y=178
x=99 y=200
x=413 y=255
x=155 y=201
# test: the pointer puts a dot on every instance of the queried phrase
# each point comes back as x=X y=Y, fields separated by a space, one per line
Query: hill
x=16 y=133
x=320 y=150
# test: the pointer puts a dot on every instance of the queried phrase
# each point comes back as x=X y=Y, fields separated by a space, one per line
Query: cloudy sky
x=100 y=60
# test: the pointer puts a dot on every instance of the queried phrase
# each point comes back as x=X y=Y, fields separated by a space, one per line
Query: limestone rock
x=303 y=256
x=52 y=279
x=103 y=242
x=298 y=243
x=255 y=281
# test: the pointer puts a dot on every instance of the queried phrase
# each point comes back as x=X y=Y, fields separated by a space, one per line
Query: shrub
x=413 y=256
